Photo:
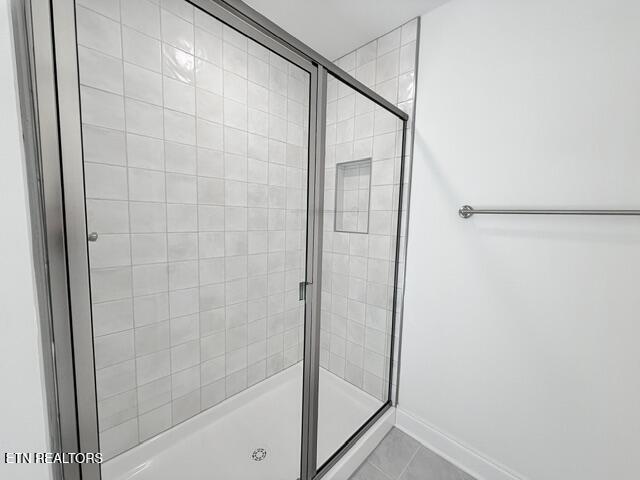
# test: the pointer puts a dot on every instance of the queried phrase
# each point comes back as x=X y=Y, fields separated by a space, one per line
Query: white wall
x=22 y=409
x=521 y=334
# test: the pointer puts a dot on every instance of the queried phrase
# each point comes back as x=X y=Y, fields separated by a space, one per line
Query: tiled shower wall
x=358 y=268
x=195 y=151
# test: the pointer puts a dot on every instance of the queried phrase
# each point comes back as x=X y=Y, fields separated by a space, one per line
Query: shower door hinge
x=302 y=290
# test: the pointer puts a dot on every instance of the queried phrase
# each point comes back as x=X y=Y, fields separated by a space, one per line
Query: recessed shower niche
x=353 y=191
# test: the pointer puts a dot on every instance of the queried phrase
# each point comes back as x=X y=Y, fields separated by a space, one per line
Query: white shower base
x=217 y=444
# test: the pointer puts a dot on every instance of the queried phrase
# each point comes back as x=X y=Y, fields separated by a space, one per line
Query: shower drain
x=259 y=454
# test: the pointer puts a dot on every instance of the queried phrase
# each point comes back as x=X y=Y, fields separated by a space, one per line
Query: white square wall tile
x=102 y=109
x=141 y=15
x=208 y=46
x=234 y=37
x=366 y=53
x=140 y=49
x=98 y=32
x=389 y=42
x=184 y=329
x=211 y=218
x=146 y=185
x=209 y=106
x=181 y=8
x=142 y=84
x=103 y=145
x=208 y=23
x=211 y=191
x=152 y=367
x=257 y=71
x=211 y=270
x=183 y=302
x=108 y=8
x=105 y=182
x=154 y=394
x=235 y=167
x=211 y=244
x=182 y=246
x=115 y=379
x=145 y=152
x=210 y=163
x=186 y=406
x=213 y=346
x=185 y=356
x=387 y=66
x=119 y=438
x=148 y=248
x=147 y=217
x=149 y=279
x=407 y=60
x=110 y=251
x=234 y=59
x=209 y=135
x=213 y=393
x=178 y=64
x=113 y=348
x=152 y=338
x=117 y=409
x=235 y=114
x=179 y=127
x=235 y=141
x=177 y=32
x=235 y=87
x=112 y=317
x=183 y=275
x=181 y=188
x=99 y=70
x=150 y=309
x=257 y=97
x=185 y=381
x=257 y=50
x=144 y=118
x=182 y=218
x=409 y=31
x=213 y=370
x=180 y=158
x=155 y=421
x=208 y=76
x=179 y=96
x=110 y=284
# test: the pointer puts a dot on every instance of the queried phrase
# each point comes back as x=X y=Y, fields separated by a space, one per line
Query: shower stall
x=222 y=221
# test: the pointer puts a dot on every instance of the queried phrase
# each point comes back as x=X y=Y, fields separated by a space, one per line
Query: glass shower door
x=359 y=259
x=195 y=142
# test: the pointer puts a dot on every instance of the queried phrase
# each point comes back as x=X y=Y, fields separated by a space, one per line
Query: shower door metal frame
x=56 y=94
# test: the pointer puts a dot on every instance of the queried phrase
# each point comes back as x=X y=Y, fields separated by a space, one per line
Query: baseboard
x=363 y=447
x=475 y=464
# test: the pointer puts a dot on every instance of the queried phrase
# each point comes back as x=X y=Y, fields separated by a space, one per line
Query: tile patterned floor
x=400 y=457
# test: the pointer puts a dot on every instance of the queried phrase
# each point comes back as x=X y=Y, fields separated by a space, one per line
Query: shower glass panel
x=361 y=201
x=195 y=148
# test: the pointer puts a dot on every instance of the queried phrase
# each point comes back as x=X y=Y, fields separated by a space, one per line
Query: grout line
x=166 y=205
x=197 y=234
x=383 y=473
x=411 y=460
x=126 y=158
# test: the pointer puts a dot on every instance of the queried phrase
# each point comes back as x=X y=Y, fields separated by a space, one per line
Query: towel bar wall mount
x=467 y=212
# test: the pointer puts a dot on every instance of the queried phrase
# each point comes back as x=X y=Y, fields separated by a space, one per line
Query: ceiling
x=336 y=27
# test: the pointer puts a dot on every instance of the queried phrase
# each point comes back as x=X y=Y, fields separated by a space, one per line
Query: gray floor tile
x=426 y=465
x=394 y=453
x=368 y=472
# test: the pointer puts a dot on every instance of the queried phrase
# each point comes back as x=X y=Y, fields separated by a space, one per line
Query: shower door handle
x=302 y=290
